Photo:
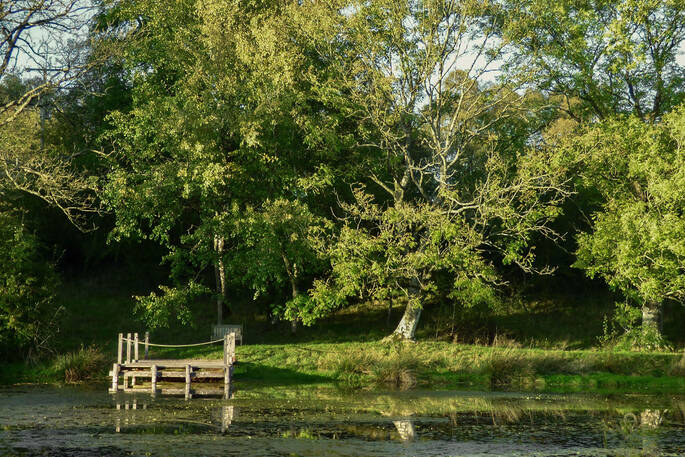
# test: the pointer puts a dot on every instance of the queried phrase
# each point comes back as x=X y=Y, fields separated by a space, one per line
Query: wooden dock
x=171 y=376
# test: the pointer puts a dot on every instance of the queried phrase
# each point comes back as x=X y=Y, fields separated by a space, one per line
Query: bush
x=86 y=363
x=27 y=282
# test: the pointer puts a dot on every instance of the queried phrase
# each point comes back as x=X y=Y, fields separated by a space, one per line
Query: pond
x=317 y=420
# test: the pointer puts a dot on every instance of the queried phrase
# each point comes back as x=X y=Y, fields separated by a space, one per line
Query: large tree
x=219 y=131
x=637 y=242
x=449 y=182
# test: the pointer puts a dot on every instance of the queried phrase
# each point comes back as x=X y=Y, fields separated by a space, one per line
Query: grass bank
x=446 y=365
x=426 y=364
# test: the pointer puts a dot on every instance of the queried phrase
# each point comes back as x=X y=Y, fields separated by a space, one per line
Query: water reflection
x=134 y=417
x=405 y=428
x=322 y=422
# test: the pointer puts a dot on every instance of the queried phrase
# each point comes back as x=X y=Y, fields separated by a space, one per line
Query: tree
x=615 y=56
x=44 y=40
x=27 y=284
x=215 y=135
x=41 y=36
x=638 y=238
x=448 y=183
x=272 y=247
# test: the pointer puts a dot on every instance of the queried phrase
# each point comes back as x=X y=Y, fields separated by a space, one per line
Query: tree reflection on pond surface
x=318 y=420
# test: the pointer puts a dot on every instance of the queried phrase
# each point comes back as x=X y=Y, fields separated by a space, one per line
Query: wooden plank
x=187 y=392
x=174 y=374
x=147 y=344
x=115 y=378
x=120 y=348
x=179 y=363
x=128 y=348
x=227 y=382
x=153 y=382
x=135 y=351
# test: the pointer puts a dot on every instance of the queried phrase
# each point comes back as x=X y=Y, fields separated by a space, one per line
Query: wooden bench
x=219 y=331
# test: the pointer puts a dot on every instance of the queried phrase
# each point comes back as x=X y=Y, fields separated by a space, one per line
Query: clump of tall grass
x=396 y=369
x=678 y=367
x=507 y=367
x=86 y=363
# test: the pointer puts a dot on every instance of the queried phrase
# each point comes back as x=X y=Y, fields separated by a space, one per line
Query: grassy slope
x=536 y=343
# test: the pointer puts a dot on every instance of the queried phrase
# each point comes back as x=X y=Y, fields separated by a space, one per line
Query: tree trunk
x=293 y=285
x=296 y=292
x=220 y=278
x=406 y=329
x=651 y=318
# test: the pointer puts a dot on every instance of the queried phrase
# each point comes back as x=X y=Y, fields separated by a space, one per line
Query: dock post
x=231 y=348
x=188 y=396
x=153 y=379
x=227 y=382
x=226 y=350
x=147 y=342
x=128 y=348
x=120 y=347
x=135 y=358
x=115 y=378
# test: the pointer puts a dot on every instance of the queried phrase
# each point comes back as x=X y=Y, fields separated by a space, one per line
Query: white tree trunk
x=651 y=318
x=220 y=277
x=406 y=329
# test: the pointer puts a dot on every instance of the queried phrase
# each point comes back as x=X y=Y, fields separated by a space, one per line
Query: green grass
x=544 y=342
x=434 y=364
x=426 y=364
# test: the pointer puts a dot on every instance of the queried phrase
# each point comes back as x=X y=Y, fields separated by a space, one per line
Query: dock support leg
x=128 y=348
x=227 y=382
x=226 y=418
x=147 y=343
x=115 y=378
x=153 y=380
x=120 y=348
x=188 y=395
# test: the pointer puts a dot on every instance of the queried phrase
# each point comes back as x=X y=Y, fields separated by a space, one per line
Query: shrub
x=86 y=363
x=505 y=367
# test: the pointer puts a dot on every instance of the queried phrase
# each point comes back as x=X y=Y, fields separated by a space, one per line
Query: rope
x=173 y=345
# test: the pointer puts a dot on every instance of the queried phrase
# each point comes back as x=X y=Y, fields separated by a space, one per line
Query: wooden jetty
x=171 y=372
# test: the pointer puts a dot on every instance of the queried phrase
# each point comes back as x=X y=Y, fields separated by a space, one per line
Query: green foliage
x=213 y=149
x=378 y=252
x=273 y=248
x=638 y=236
x=604 y=56
x=27 y=284
x=624 y=332
x=173 y=303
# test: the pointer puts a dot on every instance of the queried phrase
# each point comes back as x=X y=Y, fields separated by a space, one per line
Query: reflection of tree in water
x=651 y=418
x=405 y=428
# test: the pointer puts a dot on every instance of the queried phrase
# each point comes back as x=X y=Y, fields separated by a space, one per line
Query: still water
x=323 y=421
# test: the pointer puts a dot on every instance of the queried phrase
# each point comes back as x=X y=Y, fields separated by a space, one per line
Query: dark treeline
x=313 y=155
